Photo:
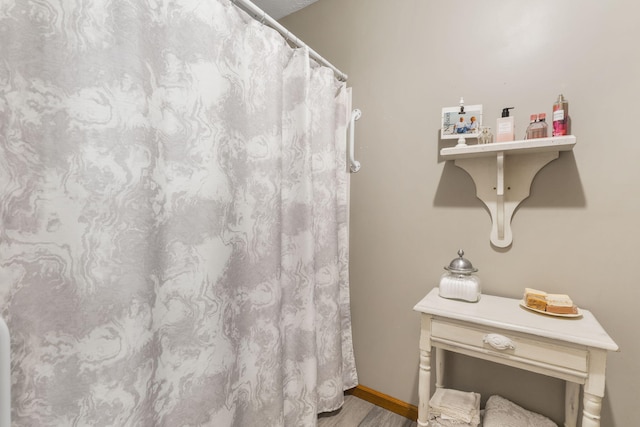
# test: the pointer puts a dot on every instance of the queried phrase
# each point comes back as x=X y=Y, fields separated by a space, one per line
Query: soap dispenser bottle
x=505 y=129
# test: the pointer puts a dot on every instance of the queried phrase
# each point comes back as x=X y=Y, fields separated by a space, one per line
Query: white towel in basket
x=500 y=412
x=455 y=408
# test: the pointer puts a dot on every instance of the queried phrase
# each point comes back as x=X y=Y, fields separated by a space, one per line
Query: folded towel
x=500 y=412
x=456 y=406
x=439 y=422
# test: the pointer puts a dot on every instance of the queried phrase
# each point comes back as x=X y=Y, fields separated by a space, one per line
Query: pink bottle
x=542 y=130
x=560 y=117
x=529 y=134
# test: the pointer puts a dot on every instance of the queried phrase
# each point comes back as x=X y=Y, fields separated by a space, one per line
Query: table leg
x=424 y=387
x=591 y=412
x=571 y=401
x=594 y=388
x=439 y=368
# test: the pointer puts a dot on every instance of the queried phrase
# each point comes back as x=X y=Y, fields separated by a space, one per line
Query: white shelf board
x=538 y=145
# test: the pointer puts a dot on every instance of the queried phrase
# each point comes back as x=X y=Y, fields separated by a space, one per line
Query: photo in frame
x=461 y=122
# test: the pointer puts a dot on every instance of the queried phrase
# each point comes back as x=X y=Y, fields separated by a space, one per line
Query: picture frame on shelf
x=461 y=122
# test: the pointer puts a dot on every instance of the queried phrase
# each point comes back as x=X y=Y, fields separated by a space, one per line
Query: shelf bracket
x=503 y=173
x=502 y=183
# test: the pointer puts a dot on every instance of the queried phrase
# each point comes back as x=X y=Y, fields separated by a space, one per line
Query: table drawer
x=506 y=344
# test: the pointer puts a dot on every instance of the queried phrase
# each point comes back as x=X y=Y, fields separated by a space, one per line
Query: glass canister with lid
x=460 y=282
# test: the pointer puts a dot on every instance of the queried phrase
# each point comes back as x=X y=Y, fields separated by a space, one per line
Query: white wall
x=578 y=233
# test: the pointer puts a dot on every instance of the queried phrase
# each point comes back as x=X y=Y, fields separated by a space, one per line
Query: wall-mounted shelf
x=503 y=173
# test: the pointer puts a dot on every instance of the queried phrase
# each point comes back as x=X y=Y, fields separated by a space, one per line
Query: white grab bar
x=5 y=375
x=355 y=165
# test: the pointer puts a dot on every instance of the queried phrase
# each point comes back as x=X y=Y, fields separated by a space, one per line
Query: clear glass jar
x=460 y=282
x=485 y=136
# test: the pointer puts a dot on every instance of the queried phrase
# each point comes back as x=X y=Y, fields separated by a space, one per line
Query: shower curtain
x=173 y=200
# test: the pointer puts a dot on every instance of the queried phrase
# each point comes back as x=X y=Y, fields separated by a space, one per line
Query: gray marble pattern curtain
x=173 y=201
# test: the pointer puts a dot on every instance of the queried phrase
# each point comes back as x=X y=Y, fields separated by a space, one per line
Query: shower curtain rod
x=262 y=16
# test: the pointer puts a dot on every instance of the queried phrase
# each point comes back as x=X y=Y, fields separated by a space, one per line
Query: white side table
x=500 y=330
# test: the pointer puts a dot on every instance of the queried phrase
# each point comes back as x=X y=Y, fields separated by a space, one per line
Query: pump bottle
x=505 y=129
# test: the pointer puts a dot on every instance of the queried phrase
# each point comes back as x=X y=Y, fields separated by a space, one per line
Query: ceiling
x=280 y=8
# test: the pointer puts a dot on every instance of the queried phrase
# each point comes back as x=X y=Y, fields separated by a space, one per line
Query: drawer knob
x=499 y=342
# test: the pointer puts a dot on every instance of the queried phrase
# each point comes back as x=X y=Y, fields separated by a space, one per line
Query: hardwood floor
x=359 y=413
